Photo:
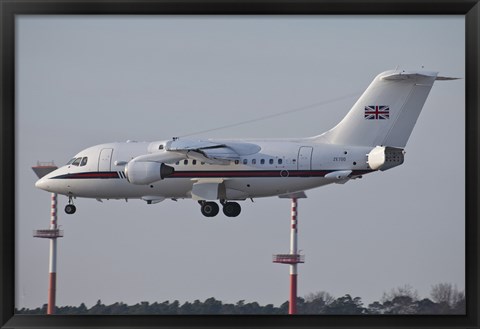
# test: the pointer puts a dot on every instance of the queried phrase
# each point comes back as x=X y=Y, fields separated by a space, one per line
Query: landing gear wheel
x=209 y=209
x=231 y=209
x=70 y=209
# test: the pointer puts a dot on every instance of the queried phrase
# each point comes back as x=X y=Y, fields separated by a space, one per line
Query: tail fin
x=386 y=112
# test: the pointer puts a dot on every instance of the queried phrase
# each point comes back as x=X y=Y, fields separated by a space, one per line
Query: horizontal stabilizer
x=446 y=78
x=406 y=75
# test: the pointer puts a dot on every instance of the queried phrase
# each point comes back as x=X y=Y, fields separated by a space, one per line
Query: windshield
x=77 y=161
x=81 y=161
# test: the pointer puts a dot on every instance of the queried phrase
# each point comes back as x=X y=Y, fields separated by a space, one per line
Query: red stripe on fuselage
x=89 y=175
x=258 y=173
x=217 y=174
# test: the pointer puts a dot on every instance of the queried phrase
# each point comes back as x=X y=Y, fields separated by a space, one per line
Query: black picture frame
x=11 y=8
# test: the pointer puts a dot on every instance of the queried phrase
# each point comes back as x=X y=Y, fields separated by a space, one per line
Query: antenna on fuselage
x=270 y=116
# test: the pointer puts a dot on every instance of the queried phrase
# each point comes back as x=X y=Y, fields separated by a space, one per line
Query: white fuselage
x=372 y=136
x=279 y=167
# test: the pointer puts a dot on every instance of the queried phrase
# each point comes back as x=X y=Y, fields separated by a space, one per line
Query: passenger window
x=245 y=161
x=280 y=161
x=270 y=161
x=84 y=161
x=177 y=163
x=160 y=147
x=237 y=161
x=185 y=162
x=194 y=162
x=254 y=161
x=262 y=161
x=77 y=161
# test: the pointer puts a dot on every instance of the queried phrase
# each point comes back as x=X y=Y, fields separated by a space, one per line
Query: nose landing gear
x=70 y=207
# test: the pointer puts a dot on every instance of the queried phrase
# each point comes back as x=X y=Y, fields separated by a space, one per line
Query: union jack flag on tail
x=377 y=112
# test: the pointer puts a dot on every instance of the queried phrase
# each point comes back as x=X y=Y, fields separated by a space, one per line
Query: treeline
x=445 y=299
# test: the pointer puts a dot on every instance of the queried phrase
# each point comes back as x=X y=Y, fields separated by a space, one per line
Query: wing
x=153 y=166
x=211 y=152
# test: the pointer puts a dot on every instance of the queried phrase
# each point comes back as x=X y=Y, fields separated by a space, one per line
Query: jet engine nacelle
x=146 y=172
x=383 y=158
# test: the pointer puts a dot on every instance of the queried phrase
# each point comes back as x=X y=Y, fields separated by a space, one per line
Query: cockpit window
x=77 y=161
x=84 y=161
x=70 y=162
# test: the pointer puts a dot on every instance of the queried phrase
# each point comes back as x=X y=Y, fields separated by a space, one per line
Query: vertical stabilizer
x=386 y=112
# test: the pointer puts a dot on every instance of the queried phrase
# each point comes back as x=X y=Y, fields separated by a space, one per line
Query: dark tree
x=316 y=303
x=346 y=305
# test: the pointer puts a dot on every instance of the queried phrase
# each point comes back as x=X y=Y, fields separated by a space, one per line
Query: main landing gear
x=211 y=209
x=70 y=207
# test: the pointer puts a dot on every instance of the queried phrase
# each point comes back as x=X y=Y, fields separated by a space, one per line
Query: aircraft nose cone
x=42 y=184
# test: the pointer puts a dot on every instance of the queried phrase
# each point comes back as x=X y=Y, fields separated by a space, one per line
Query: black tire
x=70 y=209
x=209 y=209
x=231 y=209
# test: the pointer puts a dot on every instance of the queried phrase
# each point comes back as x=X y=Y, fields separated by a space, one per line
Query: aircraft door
x=305 y=158
x=105 y=160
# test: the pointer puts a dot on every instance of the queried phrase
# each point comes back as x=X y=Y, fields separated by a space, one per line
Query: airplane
x=371 y=137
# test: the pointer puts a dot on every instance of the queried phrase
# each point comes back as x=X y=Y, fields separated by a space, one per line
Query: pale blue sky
x=83 y=81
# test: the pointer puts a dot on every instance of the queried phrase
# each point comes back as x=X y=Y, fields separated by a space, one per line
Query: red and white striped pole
x=293 y=258
x=53 y=258
x=42 y=169
x=292 y=309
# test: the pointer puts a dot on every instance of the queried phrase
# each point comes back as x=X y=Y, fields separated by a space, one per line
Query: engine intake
x=146 y=172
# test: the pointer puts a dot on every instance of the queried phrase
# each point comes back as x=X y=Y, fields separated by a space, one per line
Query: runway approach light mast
x=42 y=169
x=293 y=258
